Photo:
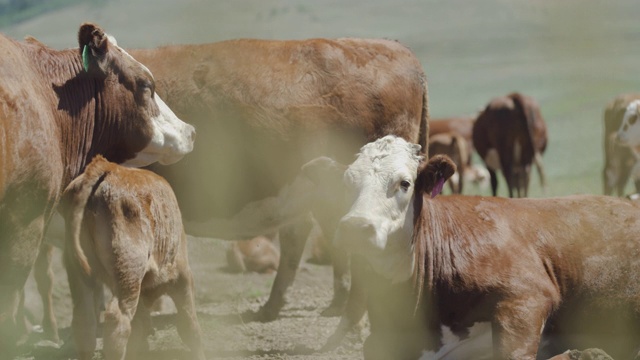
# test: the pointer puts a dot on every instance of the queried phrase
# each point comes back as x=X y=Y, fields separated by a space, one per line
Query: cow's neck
x=73 y=93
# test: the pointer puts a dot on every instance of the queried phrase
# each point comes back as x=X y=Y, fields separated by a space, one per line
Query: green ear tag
x=85 y=58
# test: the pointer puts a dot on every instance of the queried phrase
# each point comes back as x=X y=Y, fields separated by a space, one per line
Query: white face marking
x=380 y=222
x=629 y=131
x=172 y=138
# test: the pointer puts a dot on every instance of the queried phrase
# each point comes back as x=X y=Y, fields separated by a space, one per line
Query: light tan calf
x=124 y=229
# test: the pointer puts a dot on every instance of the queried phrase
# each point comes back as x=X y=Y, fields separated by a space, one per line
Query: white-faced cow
x=629 y=136
x=124 y=230
x=523 y=265
x=619 y=159
x=58 y=109
x=263 y=108
x=510 y=135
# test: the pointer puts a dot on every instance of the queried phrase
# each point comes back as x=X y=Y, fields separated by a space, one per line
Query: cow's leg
x=187 y=321
x=517 y=335
x=84 y=321
x=18 y=251
x=355 y=308
x=117 y=322
x=340 y=262
x=292 y=241
x=494 y=181
x=44 y=279
x=140 y=329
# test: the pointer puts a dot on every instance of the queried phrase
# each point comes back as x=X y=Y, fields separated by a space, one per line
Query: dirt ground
x=220 y=298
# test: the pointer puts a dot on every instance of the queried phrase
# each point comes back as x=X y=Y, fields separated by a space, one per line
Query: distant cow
x=58 y=109
x=263 y=108
x=258 y=254
x=511 y=135
x=618 y=159
x=523 y=265
x=124 y=229
x=629 y=136
x=462 y=125
x=456 y=148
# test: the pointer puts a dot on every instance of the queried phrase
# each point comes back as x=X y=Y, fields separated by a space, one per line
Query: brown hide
x=513 y=127
x=264 y=108
x=618 y=159
x=124 y=229
x=54 y=117
x=566 y=264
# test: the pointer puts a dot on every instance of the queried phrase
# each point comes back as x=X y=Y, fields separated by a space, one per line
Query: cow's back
x=263 y=108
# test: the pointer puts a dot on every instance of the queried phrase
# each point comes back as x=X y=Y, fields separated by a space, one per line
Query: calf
x=455 y=147
x=563 y=265
x=125 y=230
x=510 y=135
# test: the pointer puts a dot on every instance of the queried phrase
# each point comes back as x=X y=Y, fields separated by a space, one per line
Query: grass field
x=573 y=56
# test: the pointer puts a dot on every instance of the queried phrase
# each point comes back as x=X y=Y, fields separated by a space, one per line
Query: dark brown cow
x=58 y=109
x=456 y=148
x=263 y=108
x=510 y=135
x=618 y=159
x=566 y=265
x=124 y=229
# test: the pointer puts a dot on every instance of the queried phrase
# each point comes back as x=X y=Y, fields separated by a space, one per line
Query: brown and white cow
x=124 y=230
x=58 y=109
x=510 y=135
x=564 y=265
x=456 y=148
x=619 y=159
x=263 y=108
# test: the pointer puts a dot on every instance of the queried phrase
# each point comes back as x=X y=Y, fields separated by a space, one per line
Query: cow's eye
x=146 y=85
x=632 y=120
x=405 y=185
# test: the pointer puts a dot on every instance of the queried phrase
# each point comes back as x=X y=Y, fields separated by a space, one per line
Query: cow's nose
x=192 y=134
x=354 y=229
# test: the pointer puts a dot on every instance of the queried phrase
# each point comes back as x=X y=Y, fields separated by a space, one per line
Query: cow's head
x=379 y=185
x=379 y=188
x=133 y=125
x=629 y=132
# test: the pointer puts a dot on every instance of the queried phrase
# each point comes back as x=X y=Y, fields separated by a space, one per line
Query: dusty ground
x=221 y=297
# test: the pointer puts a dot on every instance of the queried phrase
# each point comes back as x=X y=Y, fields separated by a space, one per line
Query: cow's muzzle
x=354 y=232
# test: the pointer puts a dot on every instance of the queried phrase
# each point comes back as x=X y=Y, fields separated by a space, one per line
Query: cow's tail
x=423 y=139
x=74 y=203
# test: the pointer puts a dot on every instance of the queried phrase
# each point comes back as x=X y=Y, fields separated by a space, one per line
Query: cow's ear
x=324 y=170
x=433 y=174
x=94 y=47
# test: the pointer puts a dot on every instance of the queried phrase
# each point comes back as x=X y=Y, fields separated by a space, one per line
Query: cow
x=58 y=109
x=455 y=147
x=628 y=135
x=618 y=159
x=523 y=265
x=263 y=108
x=124 y=230
x=461 y=125
x=510 y=135
x=258 y=254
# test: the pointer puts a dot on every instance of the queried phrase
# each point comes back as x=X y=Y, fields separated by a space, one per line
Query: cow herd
x=278 y=124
